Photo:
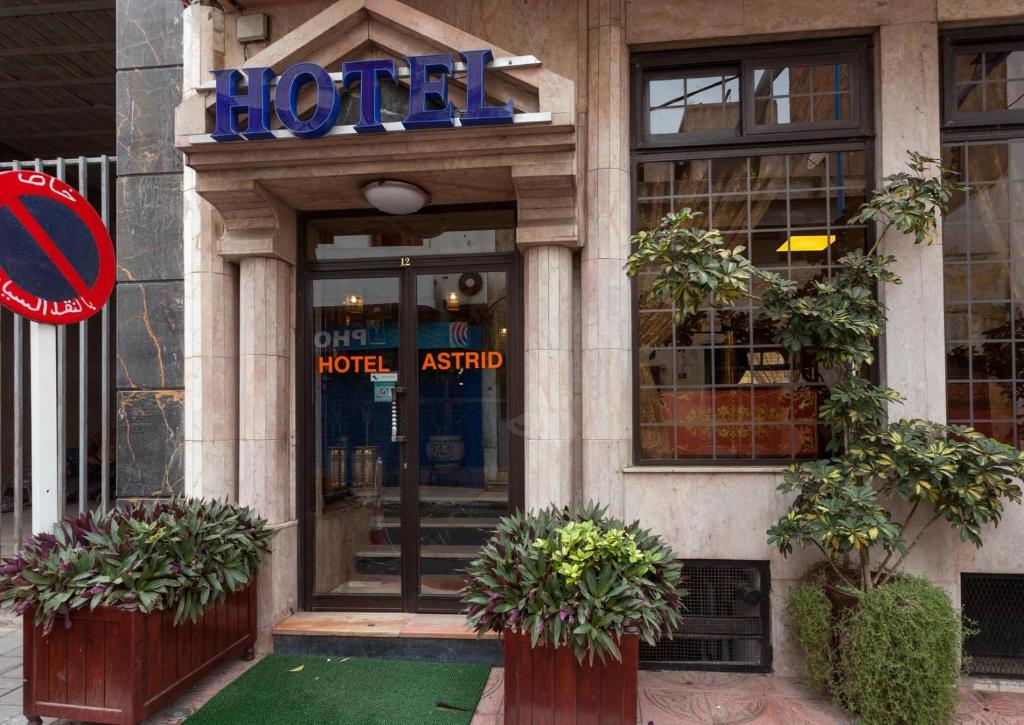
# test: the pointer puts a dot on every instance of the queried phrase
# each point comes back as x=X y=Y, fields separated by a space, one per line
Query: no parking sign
x=56 y=257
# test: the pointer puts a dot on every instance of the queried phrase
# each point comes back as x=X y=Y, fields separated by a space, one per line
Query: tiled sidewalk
x=666 y=698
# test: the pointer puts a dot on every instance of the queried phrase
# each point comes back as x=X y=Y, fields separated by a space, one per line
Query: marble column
x=548 y=307
x=605 y=305
x=266 y=470
x=908 y=119
x=211 y=302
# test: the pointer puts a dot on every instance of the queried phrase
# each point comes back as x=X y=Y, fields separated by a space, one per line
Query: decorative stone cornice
x=546 y=205
x=256 y=223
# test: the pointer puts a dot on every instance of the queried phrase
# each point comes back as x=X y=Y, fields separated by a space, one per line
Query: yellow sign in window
x=807 y=243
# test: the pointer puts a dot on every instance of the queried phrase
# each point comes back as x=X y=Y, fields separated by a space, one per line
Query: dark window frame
x=857 y=51
x=681 y=147
x=975 y=40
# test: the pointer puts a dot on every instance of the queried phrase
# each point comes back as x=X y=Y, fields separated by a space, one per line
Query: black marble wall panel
x=150 y=443
x=150 y=336
x=146 y=99
x=150 y=319
x=149 y=229
x=148 y=33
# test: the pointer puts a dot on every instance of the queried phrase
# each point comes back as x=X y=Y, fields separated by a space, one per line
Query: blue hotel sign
x=429 y=106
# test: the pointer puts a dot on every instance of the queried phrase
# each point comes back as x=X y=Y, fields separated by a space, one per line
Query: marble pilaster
x=211 y=303
x=908 y=119
x=266 y=438
x=548 y=303
x=605 y=307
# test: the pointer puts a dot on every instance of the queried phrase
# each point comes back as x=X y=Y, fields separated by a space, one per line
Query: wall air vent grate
x=726 y=623
x=993 y=604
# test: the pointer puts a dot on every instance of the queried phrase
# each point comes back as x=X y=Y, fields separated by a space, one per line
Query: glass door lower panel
x=462 y=397
x=356 y=336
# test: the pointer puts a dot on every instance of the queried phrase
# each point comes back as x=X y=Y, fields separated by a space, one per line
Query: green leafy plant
x=843 y=503
x=181 y=554
x=574 y=578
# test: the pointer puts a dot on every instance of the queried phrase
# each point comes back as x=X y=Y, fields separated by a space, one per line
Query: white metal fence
x=84 y=438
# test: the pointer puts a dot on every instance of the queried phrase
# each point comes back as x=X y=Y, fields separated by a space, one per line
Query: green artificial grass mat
x=340 y=690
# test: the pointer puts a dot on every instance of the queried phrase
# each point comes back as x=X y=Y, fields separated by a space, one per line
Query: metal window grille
x=993 y=604
x=84 y=393
x=726 y=621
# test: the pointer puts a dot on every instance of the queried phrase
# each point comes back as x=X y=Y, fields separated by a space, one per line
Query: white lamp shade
x=395 y=197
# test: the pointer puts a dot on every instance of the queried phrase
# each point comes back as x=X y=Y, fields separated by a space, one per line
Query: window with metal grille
x=715 y=387
x=993 y=603
x=726 y=623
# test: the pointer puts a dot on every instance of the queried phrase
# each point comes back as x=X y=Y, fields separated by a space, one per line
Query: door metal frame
x=410 y=599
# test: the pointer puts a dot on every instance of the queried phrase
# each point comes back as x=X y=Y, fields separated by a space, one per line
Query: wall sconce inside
x=353 y=304
x=452 y=301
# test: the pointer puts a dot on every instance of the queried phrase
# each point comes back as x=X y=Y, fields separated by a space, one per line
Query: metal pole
x=83 y=376
x=105 y=352
x=62 y=393
x=16 y=414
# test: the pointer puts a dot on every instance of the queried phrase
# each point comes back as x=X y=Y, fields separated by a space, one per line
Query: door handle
x=395 y=437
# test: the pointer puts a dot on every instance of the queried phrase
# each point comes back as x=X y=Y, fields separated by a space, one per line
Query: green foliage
x=838 y=318
x=899 y=655
x=693 y=265
x=574 y=577
x=911 y=201
x=810 y=616
x=181 y=554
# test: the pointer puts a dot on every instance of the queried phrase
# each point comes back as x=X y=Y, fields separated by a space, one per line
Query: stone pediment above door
x=534 y=159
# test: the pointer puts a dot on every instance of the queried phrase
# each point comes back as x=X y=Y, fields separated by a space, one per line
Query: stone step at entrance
x=386 y=635
x=376 y=559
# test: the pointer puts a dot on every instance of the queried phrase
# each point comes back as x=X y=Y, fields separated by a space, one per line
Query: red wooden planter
x=119 y=667
x=548 y=685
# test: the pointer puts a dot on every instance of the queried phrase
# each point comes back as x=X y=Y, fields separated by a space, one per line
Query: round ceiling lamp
x=395 y=197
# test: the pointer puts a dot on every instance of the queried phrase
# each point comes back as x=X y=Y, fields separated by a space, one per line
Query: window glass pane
x=410 y=235
x=802 y=94
x=983 y=292
x=989 y=81
x=729 y=392
x=698 y=104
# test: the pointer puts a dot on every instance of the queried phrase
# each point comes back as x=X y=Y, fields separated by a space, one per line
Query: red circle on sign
x=57 y=308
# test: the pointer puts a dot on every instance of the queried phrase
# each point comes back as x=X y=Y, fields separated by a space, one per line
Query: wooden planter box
x=112 y=666
x=548 y=685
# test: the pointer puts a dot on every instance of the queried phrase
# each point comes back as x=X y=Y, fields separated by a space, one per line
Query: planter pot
x=112 y=666
x=840 y=600
x=545 y=684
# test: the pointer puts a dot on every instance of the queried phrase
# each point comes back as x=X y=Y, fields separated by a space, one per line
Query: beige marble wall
x=606 y=375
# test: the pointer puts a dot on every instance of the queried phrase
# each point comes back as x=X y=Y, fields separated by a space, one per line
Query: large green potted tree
x=884 y=484
x=572 y=591
x=123 y=610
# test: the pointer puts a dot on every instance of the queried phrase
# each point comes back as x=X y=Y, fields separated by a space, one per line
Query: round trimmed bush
x=893 y=659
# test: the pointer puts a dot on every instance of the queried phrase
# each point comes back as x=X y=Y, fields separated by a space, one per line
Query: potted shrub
x=124 y=610
x=863 y=625
x=572 y=591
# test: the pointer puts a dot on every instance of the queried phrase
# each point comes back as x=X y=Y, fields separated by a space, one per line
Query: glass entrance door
x=413 y=460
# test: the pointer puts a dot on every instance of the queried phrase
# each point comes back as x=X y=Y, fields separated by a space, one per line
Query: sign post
x=56 y=268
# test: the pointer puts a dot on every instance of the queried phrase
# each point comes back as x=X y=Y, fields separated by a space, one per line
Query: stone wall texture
x=150 y=318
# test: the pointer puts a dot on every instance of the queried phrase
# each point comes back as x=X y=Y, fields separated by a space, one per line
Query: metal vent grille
x=726 y=623
x=994 y=604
